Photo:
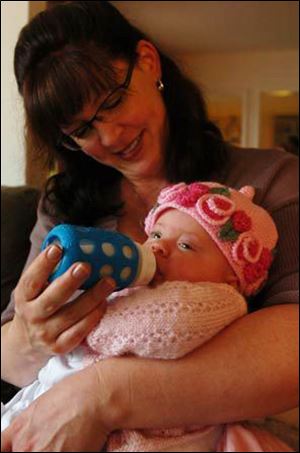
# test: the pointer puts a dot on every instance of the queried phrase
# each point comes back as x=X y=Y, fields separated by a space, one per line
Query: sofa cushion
x=18 y=216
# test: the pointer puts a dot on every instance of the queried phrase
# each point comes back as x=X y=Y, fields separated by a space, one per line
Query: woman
x=123 y=122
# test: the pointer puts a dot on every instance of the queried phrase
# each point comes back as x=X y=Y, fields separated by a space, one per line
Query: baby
x=213 y=246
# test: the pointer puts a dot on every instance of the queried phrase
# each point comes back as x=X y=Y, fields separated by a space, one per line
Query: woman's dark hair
x=63 y=57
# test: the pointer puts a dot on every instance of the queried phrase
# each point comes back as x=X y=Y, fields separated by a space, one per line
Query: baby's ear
x=232 y=280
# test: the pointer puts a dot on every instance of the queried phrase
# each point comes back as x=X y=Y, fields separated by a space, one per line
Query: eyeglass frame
x=89 y=123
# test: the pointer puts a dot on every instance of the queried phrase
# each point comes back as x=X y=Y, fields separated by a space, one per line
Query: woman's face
x=131 y=135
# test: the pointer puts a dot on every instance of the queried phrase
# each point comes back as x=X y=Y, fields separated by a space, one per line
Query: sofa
x=18 y=216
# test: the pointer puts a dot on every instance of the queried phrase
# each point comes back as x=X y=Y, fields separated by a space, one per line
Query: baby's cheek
x=180 y=270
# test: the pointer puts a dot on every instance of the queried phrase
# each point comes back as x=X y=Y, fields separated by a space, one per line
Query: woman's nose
x=109 y=133
x=160 y=248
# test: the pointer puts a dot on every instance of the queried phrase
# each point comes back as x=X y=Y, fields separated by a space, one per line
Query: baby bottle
x=108 y=252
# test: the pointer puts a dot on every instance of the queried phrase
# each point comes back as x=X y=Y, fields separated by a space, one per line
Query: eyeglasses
x=112 y=101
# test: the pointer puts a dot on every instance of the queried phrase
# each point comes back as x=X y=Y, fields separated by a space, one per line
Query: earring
x=160 y=85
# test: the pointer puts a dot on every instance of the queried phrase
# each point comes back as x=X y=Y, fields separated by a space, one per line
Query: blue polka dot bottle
x=108 y=252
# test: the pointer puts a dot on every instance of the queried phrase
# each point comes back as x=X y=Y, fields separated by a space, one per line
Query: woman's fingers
x=6 y=440
x=72 y=337
x=67 y=417
x=73 y=312
x=98 y=292
x=58 y=293
x=34 y=279
x=52 y=323
x=65 y=329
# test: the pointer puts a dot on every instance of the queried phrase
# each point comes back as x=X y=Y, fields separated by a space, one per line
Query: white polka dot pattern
x=108 y=249
x=88 y=247
x=106 y=270
x=127 y=251
x=125 y=273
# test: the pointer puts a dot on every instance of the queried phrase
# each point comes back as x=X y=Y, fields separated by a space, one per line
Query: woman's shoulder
x=274 y=173
x=259 y=157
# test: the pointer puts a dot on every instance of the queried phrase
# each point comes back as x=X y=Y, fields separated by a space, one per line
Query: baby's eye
x=155 y=235
x=184 y=246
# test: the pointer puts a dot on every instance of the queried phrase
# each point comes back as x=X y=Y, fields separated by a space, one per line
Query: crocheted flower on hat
x=189 y=196
x=253 y=272
x=169 y=193
x=246 y=248
x=215 y=209
x=241 y=221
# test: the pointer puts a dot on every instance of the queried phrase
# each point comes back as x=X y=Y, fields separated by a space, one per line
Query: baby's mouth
x=158 y=278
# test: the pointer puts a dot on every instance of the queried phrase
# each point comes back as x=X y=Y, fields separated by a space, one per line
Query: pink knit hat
x=244 y=232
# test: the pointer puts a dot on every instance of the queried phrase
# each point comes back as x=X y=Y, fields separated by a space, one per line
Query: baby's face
x=185 y=251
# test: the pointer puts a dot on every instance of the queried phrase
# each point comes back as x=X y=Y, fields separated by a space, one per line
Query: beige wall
x=244 y=76
x=14 y=15
x=234 y=73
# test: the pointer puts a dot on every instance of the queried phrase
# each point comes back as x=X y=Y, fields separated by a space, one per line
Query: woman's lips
x=133 y=150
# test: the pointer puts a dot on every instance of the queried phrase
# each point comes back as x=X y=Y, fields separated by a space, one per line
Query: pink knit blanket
x=165 y=322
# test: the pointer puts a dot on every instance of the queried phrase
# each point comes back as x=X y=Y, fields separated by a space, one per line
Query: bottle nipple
x=147 y=266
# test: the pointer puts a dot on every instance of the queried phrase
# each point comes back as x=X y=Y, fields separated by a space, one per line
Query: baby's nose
x=159 y=248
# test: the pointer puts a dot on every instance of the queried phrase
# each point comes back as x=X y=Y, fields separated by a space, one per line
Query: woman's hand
x=68 y=417
x=53 y=326
x=44 y=324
